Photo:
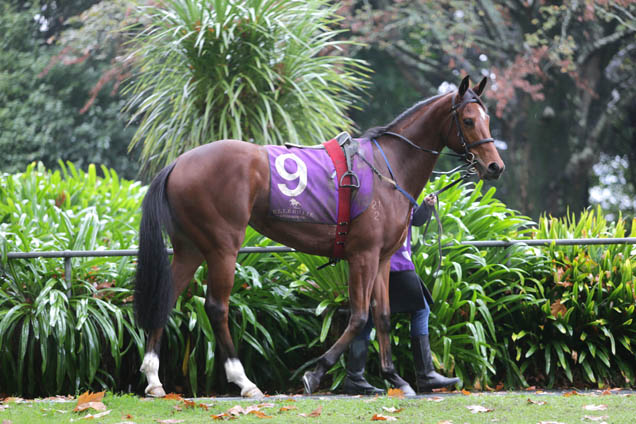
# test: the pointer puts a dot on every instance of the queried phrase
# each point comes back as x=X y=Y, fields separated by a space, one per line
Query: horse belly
x=316 y=239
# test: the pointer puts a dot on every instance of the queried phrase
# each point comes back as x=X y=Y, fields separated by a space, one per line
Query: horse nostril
x=494 y=168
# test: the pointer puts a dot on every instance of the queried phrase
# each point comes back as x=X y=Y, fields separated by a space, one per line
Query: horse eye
x=468 y=122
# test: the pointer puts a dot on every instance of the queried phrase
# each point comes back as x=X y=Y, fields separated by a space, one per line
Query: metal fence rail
x=68 y=254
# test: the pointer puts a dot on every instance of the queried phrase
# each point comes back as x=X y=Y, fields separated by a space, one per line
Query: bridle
x=468 y=168
x=467 y=156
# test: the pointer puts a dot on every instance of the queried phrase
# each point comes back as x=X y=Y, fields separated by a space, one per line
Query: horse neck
x=427 y=128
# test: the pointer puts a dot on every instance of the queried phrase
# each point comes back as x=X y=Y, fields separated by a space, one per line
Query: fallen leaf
x=380 y=417
x=90 y=400
x=499 y=386
x=90 y=397
x=595 y=407
x=536 y=402
x=173 y=396
x=572 y=393
x=3 y=407
x=259 y=414
x=531 y=388
x=98 y=406
x=393 y=409
x=287 y=408
x=396 y=393
x=435 y=399
x=13 y=399
x=7 y=422
x=445 y=422
x=170 y=421
x=236 y=410
x=221 y=416
x=593 y=418
x=266 y=405
x=465 y=392
x=101 y=414
x=478 y=408
x=315 y=413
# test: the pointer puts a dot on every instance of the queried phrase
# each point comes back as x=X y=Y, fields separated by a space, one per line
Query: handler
x=406 y=294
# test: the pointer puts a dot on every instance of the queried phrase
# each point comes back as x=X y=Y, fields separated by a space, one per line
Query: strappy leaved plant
x=584 y=331
x=266 y=71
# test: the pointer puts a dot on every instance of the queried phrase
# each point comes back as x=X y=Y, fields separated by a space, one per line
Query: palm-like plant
x=259 y=70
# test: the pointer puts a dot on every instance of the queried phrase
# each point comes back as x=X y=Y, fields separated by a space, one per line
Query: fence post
x=68 y=272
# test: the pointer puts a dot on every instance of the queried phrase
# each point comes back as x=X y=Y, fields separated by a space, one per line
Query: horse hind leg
x=184 y=265
x=220 y=282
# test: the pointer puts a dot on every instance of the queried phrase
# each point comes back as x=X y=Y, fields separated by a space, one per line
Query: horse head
x=472 y=137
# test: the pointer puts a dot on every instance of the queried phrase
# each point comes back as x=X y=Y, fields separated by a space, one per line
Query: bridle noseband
x=468 y=155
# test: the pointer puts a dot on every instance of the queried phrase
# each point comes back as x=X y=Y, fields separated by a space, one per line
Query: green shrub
x=54 y=336
x=518 y=315
x=582 y=332
x=57 y=337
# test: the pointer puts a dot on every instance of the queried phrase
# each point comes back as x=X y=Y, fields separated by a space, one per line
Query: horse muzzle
x=490 y=172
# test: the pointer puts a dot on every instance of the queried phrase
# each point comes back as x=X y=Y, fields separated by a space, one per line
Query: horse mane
x=378 y=131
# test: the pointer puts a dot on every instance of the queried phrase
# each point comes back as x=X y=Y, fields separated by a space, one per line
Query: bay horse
x=207 y=197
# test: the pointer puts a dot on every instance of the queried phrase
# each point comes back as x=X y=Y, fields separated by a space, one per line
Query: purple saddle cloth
x=303 y=184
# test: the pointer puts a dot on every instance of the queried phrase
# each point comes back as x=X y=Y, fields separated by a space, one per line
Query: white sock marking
x=150 y=367
x=236 y=374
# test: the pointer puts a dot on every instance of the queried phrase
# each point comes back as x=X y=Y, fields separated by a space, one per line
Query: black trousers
x=407 y=293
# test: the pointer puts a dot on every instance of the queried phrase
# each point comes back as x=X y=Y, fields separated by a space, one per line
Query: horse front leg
x=362 y=271
x=382 y=318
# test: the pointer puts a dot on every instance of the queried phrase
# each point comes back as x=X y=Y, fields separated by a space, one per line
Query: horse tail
x=153 y=280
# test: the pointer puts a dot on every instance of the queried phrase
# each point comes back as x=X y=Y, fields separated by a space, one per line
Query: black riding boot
x=355 y=383
x=427 y=378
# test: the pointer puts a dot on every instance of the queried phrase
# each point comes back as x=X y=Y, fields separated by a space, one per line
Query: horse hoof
x=408 y=390
x=310 y=382
x=155 y=391
x=253 y=393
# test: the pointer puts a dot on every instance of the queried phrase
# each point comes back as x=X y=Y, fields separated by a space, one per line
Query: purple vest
x=401 y=259
x=303 y=184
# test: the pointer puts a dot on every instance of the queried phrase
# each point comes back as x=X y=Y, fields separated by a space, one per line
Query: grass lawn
x=500 y=407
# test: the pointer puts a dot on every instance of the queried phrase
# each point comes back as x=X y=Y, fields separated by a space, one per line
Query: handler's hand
x=430 y=199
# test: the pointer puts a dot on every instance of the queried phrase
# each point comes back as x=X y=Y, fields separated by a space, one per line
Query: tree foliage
x=41 y=100
x=562 y=80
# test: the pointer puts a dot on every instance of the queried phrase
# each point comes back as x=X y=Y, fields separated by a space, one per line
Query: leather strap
x=337 y=156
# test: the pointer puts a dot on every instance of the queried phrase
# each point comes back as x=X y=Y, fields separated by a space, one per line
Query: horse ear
x=463 y=86
x=481 y=86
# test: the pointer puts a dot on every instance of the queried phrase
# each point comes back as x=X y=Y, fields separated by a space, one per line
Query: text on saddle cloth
x=303 y=183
